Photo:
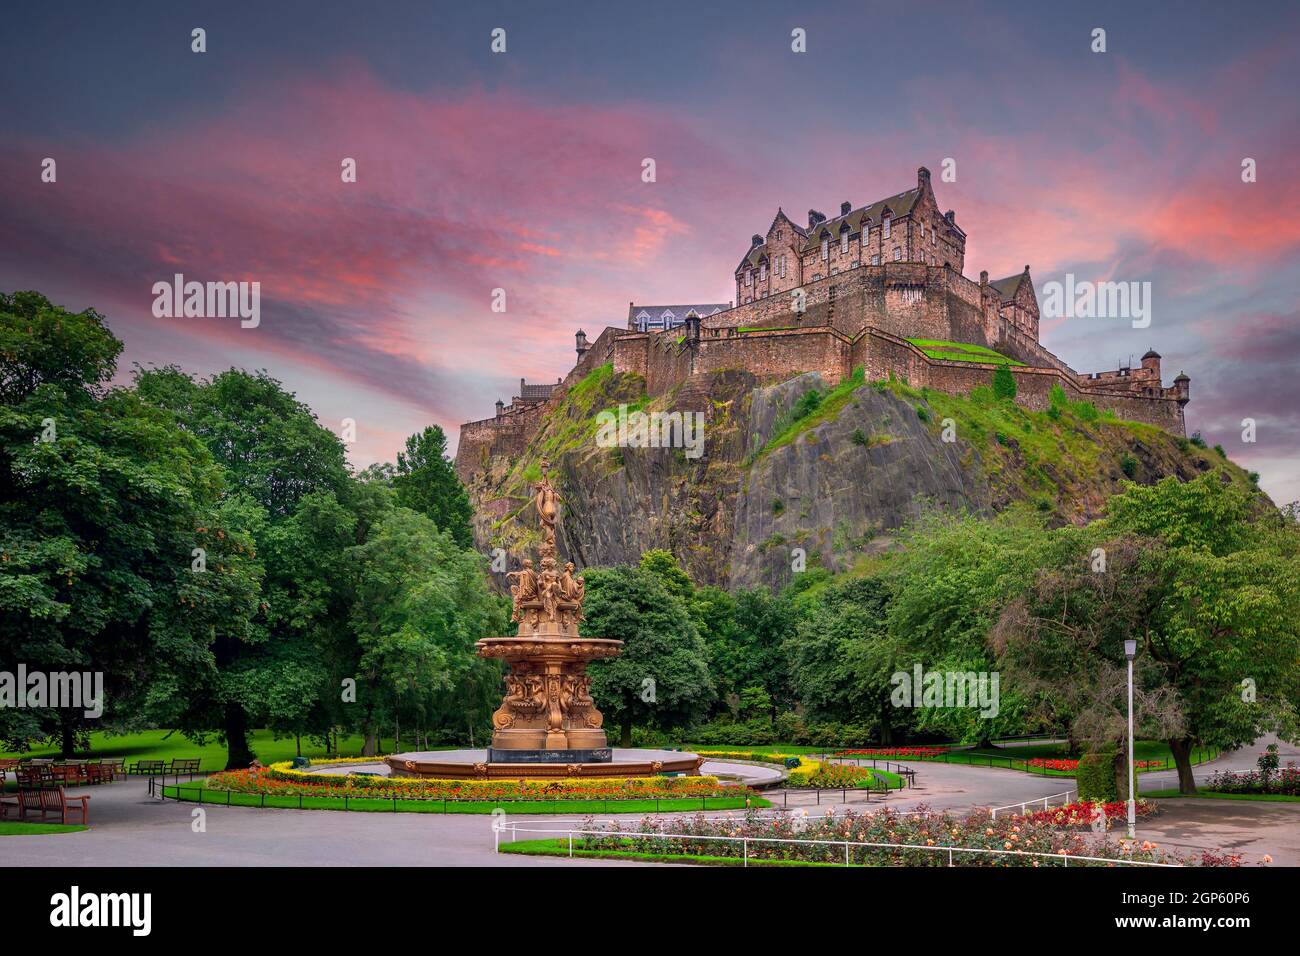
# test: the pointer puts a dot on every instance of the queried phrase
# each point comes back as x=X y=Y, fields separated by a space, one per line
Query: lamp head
x=1130 y=649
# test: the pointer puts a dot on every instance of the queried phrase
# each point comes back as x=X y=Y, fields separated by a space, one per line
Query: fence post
x=570 y=843
x=744 y=849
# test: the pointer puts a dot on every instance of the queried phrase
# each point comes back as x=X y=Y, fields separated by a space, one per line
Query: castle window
x=781 y=266
x=844 y=239
x=933 y=240
x=884 y=227
x=898 y=253
x=779 y=235
x=875 y=260
x=749 y=277
x=762 y=271
x=826 y=249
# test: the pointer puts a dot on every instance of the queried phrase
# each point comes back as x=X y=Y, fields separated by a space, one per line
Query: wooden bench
x=189 y=765
x=154 y=768
x=47 y=800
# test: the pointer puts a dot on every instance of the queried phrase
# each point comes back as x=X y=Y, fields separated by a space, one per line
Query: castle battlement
x=834 y=295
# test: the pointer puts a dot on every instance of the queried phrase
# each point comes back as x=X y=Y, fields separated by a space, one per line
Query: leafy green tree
x=421 y=604
x=662 y=677
x=843 y=656
x=1226 y=627
x=949 y=584
x=273 y=450
x=1060 y=645
x=102 y=500
x=425 y=481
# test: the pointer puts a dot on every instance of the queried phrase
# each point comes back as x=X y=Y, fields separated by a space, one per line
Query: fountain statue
x=547 y=706
x=548 y=724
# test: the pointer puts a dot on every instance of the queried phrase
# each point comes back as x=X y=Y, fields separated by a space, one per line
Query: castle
x=875 y=287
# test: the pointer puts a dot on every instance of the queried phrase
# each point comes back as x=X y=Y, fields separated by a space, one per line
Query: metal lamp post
x=1130 y=652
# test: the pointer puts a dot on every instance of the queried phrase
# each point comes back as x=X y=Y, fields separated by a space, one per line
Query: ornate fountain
x=547 y=713
x=548 y=724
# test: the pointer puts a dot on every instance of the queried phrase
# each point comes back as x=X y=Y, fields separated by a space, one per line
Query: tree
x=661 y=678
x=274 y=451
x=425 y=481
x=1226 y=626
x=948 y=585
x=421 y=604
x=843 y=657
x=1061 y=645
x=103 y=499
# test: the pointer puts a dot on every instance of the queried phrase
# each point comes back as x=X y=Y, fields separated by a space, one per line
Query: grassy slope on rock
x=1067 y=460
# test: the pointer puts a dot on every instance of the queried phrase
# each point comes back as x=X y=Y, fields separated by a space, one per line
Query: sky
x=521 y=170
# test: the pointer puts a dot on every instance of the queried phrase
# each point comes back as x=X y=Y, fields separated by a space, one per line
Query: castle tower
x=583 y=345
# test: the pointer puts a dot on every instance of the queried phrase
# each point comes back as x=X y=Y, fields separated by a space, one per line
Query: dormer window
x=884 y=227
x=780 y=234
x=749 y=277
x=844 y=239
x=826 y=248
x=762 y=271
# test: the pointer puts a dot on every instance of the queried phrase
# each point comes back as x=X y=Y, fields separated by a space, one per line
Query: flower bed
x=1080 y=814
x=916 y=753
x=830 y=776
x=278 y=779
x=696 y=837
x=1068 y=765
x=1284 y=782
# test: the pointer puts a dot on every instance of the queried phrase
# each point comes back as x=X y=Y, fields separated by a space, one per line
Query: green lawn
x=158 y=745
x=560 y=847
x=1265 y=797
x=961 y=352
x=193 y=791
x=23 y=828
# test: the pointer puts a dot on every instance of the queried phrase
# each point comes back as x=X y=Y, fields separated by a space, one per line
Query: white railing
x=1064 y=858
x=1034 y=803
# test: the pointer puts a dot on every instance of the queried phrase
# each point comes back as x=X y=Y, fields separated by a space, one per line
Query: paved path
x=131 y=829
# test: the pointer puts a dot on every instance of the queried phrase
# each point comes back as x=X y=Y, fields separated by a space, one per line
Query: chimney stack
x=922 y=177
x=846 y=207
x=500 y=405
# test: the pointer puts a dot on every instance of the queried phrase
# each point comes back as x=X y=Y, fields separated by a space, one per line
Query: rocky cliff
x=826 y=478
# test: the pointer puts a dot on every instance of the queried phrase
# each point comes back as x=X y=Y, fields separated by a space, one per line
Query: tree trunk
x=238 y=754
x=370 y=746
x=886 y=729
x=625 y=735
x=298 y=739
x=1182 y=751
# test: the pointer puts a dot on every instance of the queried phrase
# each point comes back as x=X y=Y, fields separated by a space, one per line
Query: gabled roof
x=899 y=205
x=1008 y=287
x=656 y=312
